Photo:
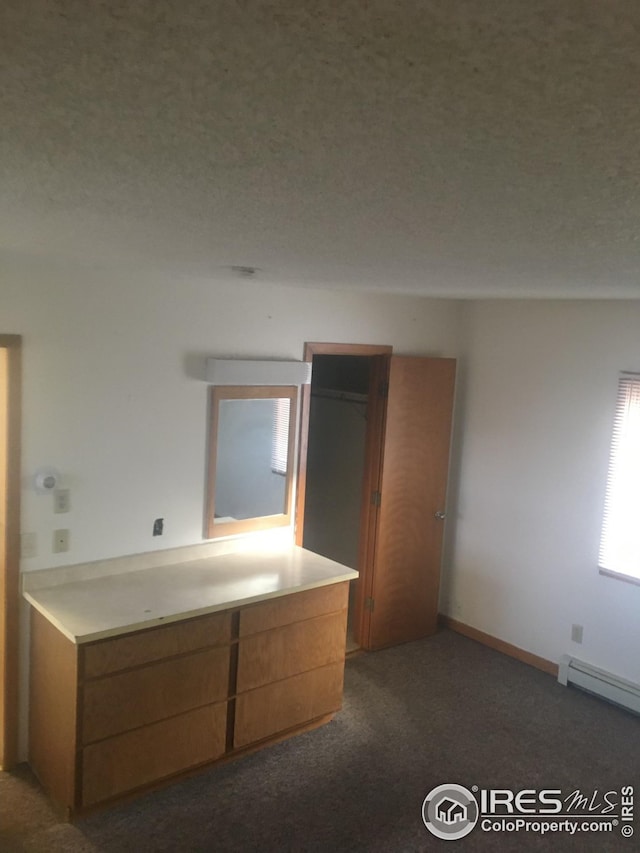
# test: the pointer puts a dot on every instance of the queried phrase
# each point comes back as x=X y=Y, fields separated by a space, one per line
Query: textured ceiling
x=447 y=147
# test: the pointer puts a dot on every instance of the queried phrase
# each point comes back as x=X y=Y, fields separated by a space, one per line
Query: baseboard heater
x=600 y=683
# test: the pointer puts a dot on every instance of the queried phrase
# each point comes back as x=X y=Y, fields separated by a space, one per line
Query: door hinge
x=383 y=390
x=369 y=603
x=376 y=498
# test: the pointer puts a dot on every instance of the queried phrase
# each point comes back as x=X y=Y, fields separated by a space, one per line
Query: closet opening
x=335 y=464
x=340 y=458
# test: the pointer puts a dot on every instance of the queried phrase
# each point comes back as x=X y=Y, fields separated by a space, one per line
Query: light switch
x=61 y=500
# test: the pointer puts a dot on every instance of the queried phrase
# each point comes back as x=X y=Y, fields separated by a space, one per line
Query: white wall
x=537 y=413
x=113 y=397
x=113 y=394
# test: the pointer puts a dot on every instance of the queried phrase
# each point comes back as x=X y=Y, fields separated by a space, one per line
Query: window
x=620 y=542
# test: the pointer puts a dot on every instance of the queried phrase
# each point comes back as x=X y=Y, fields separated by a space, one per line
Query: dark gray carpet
x=440 y=710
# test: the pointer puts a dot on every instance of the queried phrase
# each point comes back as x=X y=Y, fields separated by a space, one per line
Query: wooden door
x=408 y=539
x=369 y=509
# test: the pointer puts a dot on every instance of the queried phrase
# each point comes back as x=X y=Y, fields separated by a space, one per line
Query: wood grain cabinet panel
x=118 y=715
x=134 y=698
x=153 y=644
x=146 y=755
x=295 y=701
x=278 y=654
x=52 y=709
x=293 y=608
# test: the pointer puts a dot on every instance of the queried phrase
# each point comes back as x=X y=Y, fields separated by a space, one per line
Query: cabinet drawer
x=123 y=701
x=293 y=702
x=107 y=656
x=287 y=651
x=146 y=755
x=293 y=608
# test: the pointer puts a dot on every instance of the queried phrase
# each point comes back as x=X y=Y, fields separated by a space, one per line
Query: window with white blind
x=280 y=440
x=620 y=541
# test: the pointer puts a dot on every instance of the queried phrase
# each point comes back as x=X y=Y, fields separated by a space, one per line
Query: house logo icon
x=450 y=812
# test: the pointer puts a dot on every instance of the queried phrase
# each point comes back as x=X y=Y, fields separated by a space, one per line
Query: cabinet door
x=145 y=755
x=408 y=543
x=126 y=700
x=290 y=650
x=155 y=644
x=285 y=704
x=293 y=608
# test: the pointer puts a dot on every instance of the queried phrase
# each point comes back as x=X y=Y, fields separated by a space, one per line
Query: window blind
x=620 y=540
x=280 y=440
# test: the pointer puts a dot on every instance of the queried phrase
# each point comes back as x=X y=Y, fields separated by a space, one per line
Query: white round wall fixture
x=46 y=480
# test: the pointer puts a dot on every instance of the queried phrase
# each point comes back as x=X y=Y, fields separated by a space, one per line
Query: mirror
x=251 y=445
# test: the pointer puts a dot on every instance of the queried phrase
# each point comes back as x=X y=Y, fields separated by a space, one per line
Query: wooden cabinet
x=119 y=715
x=290 y=662
x=111 y=716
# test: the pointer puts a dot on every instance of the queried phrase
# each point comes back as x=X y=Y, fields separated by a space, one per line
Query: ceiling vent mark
x=244 y=272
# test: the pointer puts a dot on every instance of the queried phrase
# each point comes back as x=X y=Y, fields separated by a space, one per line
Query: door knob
x=441 y=515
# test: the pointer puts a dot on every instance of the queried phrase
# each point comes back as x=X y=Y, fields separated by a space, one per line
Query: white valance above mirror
x=237 y=371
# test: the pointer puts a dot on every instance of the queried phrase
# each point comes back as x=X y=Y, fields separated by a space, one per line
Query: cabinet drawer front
x=121 y=702
x=146 y=646
x=293 y=702
x=146 y=755
x=287 y=651
x=293 y=608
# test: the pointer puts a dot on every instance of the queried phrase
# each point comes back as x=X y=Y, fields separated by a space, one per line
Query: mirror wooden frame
x=248 y=392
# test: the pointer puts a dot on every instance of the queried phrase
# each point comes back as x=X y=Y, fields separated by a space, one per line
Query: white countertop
x=99 y=607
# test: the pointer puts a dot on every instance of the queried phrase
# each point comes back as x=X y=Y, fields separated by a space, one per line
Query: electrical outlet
x=28 y=545
x=576 y=633
x=158 y=527
x=61 y=500
x=60 y=541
